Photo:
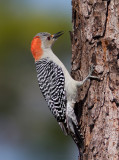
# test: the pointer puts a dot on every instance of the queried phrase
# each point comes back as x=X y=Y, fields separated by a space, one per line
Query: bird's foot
x=92 y=68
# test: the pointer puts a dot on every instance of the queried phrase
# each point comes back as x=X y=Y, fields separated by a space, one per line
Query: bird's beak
x=56 y=35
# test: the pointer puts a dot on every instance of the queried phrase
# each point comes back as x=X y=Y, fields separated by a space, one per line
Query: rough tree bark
x=95 y=40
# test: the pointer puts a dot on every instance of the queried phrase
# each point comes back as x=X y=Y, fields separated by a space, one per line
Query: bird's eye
x=48 y=38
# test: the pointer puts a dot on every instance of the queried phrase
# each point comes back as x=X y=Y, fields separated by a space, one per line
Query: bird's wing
x=51 y=82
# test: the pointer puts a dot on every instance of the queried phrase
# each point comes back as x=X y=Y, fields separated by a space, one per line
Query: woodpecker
x=57 y=86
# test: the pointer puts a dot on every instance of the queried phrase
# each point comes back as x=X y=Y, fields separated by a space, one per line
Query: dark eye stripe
x=48 y=38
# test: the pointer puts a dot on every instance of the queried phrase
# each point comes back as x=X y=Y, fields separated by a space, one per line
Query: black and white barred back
x=52 y=85
x=51 y=82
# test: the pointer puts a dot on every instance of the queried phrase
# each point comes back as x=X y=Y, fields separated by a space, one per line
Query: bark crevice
x=103 y=35
x=95 y=40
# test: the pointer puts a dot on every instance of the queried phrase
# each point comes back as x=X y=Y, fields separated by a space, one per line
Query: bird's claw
x=91 y=69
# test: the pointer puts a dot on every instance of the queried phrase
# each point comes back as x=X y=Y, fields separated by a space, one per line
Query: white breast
x=70 y=83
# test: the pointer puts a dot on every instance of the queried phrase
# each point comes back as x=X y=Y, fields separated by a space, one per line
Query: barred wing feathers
x=51 y=82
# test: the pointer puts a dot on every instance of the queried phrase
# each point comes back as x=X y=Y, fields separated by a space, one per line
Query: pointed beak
x=56 y=35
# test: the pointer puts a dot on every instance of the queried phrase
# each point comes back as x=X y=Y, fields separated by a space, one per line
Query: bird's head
x=43 y=41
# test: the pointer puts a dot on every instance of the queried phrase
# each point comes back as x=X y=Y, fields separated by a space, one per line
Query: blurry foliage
x=17 y=30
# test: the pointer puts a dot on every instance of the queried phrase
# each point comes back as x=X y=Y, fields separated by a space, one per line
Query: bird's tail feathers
x=76 y=135
x=64 y=127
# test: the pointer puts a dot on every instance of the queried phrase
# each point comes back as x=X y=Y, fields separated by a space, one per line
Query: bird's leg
x=71 y=117
x=88 y=77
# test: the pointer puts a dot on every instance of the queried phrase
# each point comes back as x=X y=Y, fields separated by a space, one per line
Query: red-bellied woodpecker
x=57 y=86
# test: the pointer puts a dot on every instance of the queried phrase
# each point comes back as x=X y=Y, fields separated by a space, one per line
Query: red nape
x=36 y=48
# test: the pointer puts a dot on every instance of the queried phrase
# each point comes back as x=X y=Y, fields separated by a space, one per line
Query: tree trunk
x=95 y=40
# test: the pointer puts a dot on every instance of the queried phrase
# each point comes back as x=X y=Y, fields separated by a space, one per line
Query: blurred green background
x=28 y=131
